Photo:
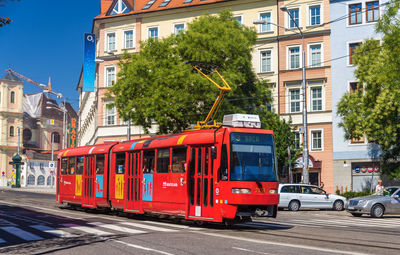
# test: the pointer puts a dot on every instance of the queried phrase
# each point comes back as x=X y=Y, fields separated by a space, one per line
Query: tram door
x=201 y=194
x=89 y=181
x=132 y=180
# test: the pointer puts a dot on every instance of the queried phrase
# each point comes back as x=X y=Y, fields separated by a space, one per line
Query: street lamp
x=303 y=87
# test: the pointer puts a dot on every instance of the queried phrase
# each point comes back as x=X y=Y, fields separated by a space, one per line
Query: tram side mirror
x=213 y=152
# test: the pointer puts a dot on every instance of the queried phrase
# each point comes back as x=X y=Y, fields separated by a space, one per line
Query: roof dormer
x=119 y=7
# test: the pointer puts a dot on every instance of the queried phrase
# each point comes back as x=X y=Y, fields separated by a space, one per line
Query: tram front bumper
x=257 y=210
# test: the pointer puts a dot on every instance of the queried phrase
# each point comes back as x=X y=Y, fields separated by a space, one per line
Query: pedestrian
x=321 y=185
x=379 y=188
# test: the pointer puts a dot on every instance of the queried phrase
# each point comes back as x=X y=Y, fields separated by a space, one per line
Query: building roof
x=9 y=76
x=138 y=6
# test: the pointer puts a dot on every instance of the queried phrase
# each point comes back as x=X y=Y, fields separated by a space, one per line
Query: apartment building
x=352 y=22
x=122 y=25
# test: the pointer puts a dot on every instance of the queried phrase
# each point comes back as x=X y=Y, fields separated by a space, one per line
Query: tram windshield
x=252 y=157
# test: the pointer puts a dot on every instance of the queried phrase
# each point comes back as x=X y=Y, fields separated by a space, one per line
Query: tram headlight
x=241 y=191
x=273 y=191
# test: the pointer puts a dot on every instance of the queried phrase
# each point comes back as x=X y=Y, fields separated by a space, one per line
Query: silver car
x=376 y=205
x=294 y=196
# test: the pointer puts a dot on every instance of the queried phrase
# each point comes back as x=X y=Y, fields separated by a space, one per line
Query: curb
x=33 y=190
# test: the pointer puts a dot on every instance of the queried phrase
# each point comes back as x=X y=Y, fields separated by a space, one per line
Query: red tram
x=223 y=174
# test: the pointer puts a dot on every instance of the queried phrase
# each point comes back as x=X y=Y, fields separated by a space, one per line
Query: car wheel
x=377 y=211
x=294 y=205
x=338 y=205
x=356 y=214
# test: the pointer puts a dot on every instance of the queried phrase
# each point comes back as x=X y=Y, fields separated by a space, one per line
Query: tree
x=374 y=111
x=157 y=85
x=4 y=20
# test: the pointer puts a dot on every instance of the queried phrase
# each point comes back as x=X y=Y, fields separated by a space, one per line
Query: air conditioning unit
x=242 y=120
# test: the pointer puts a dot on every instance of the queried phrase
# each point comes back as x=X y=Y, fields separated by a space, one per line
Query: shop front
x=364 y=175
x=314 y=170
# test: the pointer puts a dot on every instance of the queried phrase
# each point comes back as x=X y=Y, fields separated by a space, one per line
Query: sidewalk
x=31 y=189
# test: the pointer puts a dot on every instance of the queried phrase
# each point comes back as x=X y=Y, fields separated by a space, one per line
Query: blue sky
x=46 y=39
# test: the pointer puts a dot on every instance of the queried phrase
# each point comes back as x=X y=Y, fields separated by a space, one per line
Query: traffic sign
x=52 y=164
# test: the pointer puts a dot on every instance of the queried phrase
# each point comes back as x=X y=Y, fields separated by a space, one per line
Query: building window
x=239 y=19
x=315 y=15
x=49 y=181
x=355 y=16
x=297 y=142
x=41 y=165
x=315 y=55
x=110 y=42
x=30 y=180
x=119 y=8
x=372 y=11
x=110 y=76
x=294 y=95
x=40 y=180
x=56 y=137
x=178 y=28
x=12 y=131
x=265 y=59
x=352 y=49
x=355 y=87
x=128 y=39
x=153 y=32
x=110 y=116
x=266 y=27
x=165 y=3
x=316 y=140
x=316 y=99
x=149 y=4
x=12 y=97
x=295 y=15
x=294 y=57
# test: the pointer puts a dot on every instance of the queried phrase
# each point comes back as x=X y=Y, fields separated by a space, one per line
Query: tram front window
x=252 y=158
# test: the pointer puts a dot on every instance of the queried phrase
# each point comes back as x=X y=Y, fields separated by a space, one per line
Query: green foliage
x=375 y=111
x=157 y=85
x=353 y=194
x=4 y=20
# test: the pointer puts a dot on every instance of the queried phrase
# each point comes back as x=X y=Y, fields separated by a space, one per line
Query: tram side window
x=192 y=161
x=64 y=166
x=71 y=165
x=179 y=160
x=148 y=161
x=224 y=163
x=162 y=160
x=79 y=165
x=100 y=164
x=120 y=163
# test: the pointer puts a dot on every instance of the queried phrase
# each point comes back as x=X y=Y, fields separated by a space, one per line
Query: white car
x=296 y=196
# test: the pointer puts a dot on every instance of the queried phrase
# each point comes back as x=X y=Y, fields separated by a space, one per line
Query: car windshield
x=252 y=157
x=387 y=192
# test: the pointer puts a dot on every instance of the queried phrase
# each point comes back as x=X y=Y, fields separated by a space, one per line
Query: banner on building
x=88 y=63
x=72 y=133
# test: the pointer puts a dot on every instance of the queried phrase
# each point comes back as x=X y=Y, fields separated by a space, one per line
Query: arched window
x=56 y=137
x=12 y=97
x=48 y=183
x=30 y=180
x=40 y=180
x=11 y=130
x=27 y=134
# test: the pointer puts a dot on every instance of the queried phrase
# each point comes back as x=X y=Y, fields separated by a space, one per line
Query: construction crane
x=42 y=86
x=210 y=121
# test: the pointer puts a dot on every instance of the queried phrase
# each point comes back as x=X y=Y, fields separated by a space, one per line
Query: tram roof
x=86 y=150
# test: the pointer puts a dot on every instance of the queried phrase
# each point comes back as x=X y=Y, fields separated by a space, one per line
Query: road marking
x=6 y=222
x=55 y=232
x=264 y=225
x=149 y=227
x=142 y=247
x=88 y=230
x=2 y=241
x=118 y=228
x=299 y=246
x=242 y=249
x=22 y=234
x=167 y=224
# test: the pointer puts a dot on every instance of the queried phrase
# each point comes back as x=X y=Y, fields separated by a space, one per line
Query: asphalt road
x=32 y=223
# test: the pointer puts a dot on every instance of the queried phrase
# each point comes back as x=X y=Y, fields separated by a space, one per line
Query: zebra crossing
x=12 y=233
x=344 y=222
